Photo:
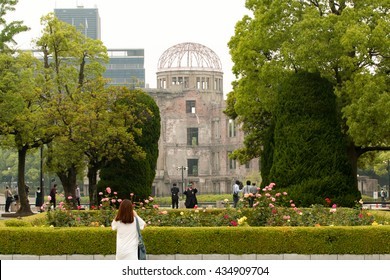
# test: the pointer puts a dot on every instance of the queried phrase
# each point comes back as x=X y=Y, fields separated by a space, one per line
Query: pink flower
x=93 y=207
x=284 y=193
x=115 y=193
x=131 y=194
x=146 y=201
x=271 y=205
x=155 y=206
x=100 y=193
x=108 y=190
x=278 y=194
x=292 y=205
x=196 y=206
x=70 y=197
x=78 y=207
x=113 y=200
x=119 y=200
x=273 y=199
x=287 y=217
x=49 y=198
x=334 y=206
x=226 y=217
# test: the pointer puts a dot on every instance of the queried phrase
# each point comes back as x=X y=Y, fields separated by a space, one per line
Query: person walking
x=253 y=191
x=236 y=191
x=383 y=198
x=52 y=194
x=127 y=235
x=38 y=199
x=78 y=196
x=175 y=196
x=8 y=198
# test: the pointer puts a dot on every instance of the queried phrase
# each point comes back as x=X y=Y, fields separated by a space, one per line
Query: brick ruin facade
x=196 y=136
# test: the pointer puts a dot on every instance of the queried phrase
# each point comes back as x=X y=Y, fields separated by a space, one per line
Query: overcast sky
x=154 y=25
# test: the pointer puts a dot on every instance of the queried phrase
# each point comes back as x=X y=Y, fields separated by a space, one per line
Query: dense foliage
x=346 y=42
x=309 y=158
x=131 y=174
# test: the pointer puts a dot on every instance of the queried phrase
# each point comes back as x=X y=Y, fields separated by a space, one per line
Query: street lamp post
x=182 y=168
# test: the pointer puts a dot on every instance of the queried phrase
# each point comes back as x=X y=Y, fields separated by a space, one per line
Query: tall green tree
x=25 y=118
x=131 y=174
x=347 y=42
x=74 y=70
x=9 y=30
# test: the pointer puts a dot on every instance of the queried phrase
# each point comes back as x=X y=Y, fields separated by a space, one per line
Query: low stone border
x=204 y=257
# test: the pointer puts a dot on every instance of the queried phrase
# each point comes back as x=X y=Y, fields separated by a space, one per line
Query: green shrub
x=17 y=223
x=213 y=240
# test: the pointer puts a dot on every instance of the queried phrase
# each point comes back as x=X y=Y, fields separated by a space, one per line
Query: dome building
x=196 y=137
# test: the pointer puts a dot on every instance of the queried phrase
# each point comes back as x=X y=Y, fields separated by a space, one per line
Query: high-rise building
x=86 y=20
x=126 y=66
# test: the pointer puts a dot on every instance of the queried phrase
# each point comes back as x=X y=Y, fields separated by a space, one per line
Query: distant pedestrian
x=53 y=193
x=78 y=196
x=191 y=200
x=8 y=198
x=38 y=199
x=175 y=196
x=253 y=192
x=383 y=198
x=236 y=191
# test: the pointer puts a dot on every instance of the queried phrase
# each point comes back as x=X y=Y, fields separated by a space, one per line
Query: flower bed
x=270 y=208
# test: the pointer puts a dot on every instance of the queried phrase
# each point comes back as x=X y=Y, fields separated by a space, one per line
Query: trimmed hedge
x=203 y=240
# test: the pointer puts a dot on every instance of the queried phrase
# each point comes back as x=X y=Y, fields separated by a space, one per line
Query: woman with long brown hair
x=127 y=235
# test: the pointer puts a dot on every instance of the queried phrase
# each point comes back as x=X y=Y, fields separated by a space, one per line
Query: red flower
x=226 y=217
x=233 y=223
x=327 y=200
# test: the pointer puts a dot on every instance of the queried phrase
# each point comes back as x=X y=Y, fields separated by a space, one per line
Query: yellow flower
x=242 y=220
x=182 y=213
x=226 y=200
x=374 y=223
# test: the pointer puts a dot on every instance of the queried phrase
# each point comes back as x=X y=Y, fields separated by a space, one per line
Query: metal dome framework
x=189 y=56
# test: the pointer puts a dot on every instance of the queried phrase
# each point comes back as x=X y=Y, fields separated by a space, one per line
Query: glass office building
x=126 y=66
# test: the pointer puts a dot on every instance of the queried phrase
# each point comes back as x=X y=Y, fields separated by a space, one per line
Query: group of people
x=190 y=193
x=248 y=192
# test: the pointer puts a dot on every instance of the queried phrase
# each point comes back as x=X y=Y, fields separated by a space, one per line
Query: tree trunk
x=92 y=180
x=353 y=156
x=68 y=180
x=24 y=209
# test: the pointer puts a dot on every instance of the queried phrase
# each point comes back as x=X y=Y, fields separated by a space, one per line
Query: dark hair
x=125 y=212
x=174 y=184
x=248 y=182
